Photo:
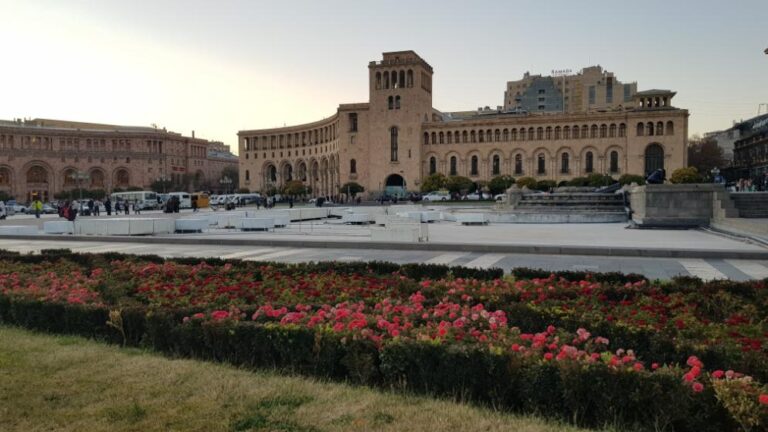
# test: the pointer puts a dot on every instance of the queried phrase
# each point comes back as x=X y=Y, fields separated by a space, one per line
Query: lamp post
x=225 y=182
x=78 y=177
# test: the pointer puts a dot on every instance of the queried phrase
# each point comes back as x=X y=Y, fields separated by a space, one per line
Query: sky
x=217 y=67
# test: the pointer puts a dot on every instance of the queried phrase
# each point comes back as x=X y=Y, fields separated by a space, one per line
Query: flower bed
x=600 y=349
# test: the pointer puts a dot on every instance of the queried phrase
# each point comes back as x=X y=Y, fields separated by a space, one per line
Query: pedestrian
x=71 y=212
x=290 y=202
x=126 y=207
x=3 y=214
x=108 y=206
x=37 y=206
x=136 y=207
x=90 y=207
x=194 y=204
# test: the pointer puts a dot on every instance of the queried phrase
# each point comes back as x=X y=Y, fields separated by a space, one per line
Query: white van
x=185 y=199
x=145 y=200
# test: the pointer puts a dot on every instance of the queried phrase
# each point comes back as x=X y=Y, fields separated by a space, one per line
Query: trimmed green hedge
x=587 y=395
x=608 y=277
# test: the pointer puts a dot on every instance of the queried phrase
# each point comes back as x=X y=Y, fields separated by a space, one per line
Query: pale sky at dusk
x=217 y=67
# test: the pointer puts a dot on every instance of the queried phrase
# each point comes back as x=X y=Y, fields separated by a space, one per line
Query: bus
x=144 y=200
x=185 y=199
x=201 y=198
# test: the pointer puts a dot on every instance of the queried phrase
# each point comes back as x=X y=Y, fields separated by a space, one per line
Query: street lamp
x=78 y=177
x=225 y=182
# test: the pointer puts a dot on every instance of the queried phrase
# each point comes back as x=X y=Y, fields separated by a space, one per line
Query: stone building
x=750 y=150
x=44 y=157
x=390 y=143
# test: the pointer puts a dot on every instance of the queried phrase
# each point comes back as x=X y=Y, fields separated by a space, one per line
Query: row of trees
x=499 y=184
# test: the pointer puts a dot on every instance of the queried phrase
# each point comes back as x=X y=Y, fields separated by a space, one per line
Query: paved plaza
x=318 y=240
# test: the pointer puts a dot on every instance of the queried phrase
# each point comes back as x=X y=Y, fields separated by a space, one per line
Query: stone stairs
x=751 y=204
x=571 y=203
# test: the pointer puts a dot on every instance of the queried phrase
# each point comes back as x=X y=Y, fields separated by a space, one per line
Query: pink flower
x=654 y=366
x=698 y=387
x=689 y=377
x=219 y=315
x=551 y=329
x=694 y=361
x=763 y=398
x=548 y=356
x=718 y=374
x=516 y=347
x=638 y=366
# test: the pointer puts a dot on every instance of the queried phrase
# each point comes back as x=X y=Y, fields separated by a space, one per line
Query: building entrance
x=395 y=186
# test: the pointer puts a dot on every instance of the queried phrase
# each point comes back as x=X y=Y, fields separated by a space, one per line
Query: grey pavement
x=654 y=268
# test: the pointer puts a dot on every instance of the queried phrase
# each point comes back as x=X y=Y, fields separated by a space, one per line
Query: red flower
x=763 y=398
x=654 y=366
x=219 y=315
x=548 y=356
x=698 y=387
x=718 y=374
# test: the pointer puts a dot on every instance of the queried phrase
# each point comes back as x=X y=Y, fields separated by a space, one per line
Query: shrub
x=545 y=185
x=528 y=182
x=685 y=176
x=433 y=182
x=500 y=184
x=626 y=179
x=599 y=180
x=458 y=184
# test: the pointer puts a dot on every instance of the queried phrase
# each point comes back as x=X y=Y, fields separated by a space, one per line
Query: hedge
x=587 y=395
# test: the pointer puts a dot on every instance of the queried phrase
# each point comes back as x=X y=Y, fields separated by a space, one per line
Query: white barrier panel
x=59 y=227
x=191 y=225
x=227 y=219
x=124 y=226
x=472 y=218
x=282 y=217
x=257 y=224
x=357 y=218
x=410 y=233
x=18 y=230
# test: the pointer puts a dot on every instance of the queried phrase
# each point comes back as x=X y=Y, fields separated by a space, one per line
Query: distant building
x=41 y=157
x=725 y=139
x=750 y=150
x=391 y=142
x=592 y=89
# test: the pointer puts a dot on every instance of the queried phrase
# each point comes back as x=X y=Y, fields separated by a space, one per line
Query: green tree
x=631 y=178
x=500 y=184
x=685 y=175
x=433 y=182
x=578 y=182
x=600 y=180
x=529 y=182
x=351 y=188
x=294 y=188
x=704 y=154
x=270 y=190
x=161 y=186
x=545 y=185
x=458 y=184
x=233 y=173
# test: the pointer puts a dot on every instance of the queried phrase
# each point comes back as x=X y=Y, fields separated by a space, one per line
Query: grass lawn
x=63 y=383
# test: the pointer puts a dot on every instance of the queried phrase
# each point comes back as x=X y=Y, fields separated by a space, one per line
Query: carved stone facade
x=392 y=142
x=43 y=157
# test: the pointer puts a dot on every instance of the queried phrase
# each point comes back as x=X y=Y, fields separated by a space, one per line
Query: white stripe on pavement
x=701 y=269
x=445 y=258
x=485 y=261
x=278 y=254
x=753 y=269
x=246 y=253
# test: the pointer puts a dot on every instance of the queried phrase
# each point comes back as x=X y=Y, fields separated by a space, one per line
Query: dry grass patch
x=61 y=383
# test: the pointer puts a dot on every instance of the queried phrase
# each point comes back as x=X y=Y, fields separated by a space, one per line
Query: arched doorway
x=37 y=183
x=654 y=158
x=395 y=185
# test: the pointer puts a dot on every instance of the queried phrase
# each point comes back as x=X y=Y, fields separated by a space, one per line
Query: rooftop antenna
x=760 y=108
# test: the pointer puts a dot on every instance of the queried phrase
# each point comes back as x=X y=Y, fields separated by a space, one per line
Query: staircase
x=572 y=203
x=751 y=204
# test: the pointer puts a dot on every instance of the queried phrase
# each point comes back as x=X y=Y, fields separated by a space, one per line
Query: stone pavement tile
x=735 y=269
x=753 y=269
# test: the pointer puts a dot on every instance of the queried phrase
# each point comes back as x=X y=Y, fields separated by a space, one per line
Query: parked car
x=500 y=197
x=18 y=208
x=474 y=196
x=49 y=209
x=436 y=196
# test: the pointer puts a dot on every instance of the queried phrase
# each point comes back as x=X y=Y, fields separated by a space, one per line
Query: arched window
x=612 y=130
x=660 y=128
x=622 y=130
x=557 y=132
x=434 y=138
x=654 y=158
x=410 y=78
x=513 y=135
x=394 y=80
x=505 y=135
x=441 y=138
x=670 y=128
x=472 y=137
x=432 y=165
x=614 y=161
x=352 y=166
x=567 y=132
x=386 y=80
x=589 y=163
x=390 y=102
x=649 y=128
x=603 y=131
x=640 y=129
x=247 y=175
x=497 y=135
x=593 y=131
x=584 y=131
x=564 y=163
x=393 y=143
x=449 y=137
x=272 y=172
x=464 y=136
x=453 y=166
x=518 y=164
x=397 y=102
x=378 y=80
x=522 y=134
x=496 y=165
x=474 y=169
x=402 y=78
x=548 y=133
x=481 y=136
x=426 y=138
x=531 y=132
x=542 y=164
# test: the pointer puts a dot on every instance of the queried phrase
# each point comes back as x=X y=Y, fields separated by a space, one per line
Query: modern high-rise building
x=395 y=139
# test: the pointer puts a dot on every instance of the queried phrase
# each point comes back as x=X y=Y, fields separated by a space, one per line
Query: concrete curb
x=446 y=247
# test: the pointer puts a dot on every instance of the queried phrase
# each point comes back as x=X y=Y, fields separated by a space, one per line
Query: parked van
x=185 y=199
x=201 y=198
